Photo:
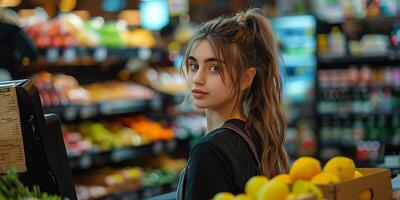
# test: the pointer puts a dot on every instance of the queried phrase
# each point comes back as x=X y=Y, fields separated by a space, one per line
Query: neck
x=215 y=119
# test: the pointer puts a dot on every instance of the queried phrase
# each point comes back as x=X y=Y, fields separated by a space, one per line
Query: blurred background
x=110 y=70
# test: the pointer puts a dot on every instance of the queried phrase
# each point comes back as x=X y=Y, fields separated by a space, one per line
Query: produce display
x=164 y=79
x=12 y=188
x=69 y=30
x=60 y=89
x=302 y=181
x=120 y=132
x=112 y=180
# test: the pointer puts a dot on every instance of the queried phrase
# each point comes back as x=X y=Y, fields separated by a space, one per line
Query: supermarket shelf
x=327 y=62
x=75 y=111
x=338 y=145
x=346 y=115
x=142 y=193
x=98 y=53
x=91 y=160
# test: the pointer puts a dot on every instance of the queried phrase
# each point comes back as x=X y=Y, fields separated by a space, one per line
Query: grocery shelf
x=144 y=192
x=74 y=112
x=350 y=115
x=93 y=159
x=338 y=144
x=98 y=53
x=335 y=62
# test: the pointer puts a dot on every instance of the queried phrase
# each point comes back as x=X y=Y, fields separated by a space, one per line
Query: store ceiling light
x=9 y=3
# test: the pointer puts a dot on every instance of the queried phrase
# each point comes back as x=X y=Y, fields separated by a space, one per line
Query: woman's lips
x=199 y=94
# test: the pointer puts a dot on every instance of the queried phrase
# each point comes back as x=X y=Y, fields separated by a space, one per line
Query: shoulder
x=222 y=140
x=224 y=143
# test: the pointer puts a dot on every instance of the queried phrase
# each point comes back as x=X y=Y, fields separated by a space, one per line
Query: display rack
x=96 y=64
x=340 y=118
x=75 y=112
x=89 y=160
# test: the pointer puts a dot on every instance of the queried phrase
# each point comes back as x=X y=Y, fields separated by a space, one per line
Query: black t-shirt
x=222 y=161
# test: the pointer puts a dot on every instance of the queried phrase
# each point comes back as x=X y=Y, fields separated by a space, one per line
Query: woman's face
x=208 y=90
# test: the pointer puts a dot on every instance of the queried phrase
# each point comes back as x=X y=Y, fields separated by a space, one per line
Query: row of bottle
x=358 y=100
x=350 y=130
x=359 y=77
x=358 y=91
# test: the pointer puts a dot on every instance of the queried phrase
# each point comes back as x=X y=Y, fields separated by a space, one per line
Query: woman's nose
x=199 y=77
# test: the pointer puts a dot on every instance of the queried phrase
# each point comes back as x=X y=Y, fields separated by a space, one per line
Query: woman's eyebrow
x=212 y=59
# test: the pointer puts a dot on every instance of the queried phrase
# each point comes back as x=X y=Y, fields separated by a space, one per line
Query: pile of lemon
x=301 y=181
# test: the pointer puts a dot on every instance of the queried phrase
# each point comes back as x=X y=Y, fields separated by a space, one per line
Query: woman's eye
x=193 y=66
x=214 y=68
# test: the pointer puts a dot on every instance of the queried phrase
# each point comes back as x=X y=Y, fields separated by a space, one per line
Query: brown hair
x=247 y=40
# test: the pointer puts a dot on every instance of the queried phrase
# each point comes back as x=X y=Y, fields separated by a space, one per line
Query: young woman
x=232 y=72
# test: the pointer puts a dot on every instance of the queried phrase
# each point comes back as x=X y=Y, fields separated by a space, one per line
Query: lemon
x=291 y=196
x=243 y=197
x=224 y=196
x=305 y=168
x=343 y=167
x=302 y=187
x=357 y=174
x=254 y=184
x=284 y=178
x=365 y=194
x=274 y=189
x=325 y=178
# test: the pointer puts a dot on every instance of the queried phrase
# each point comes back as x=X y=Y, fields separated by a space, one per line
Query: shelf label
x=70 y=113
x=52 y=54
x=144 y=53
x=88 y=111
x=11 y=142
x=69 y=55
x=100 y=54
x=85 y=161
x=120 y=155
x=157 y=147
x=171 y=145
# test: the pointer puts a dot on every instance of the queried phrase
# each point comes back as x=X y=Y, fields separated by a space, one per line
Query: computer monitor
x=46 y=162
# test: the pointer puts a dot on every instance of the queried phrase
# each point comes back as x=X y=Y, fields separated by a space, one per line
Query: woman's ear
x=248 y=78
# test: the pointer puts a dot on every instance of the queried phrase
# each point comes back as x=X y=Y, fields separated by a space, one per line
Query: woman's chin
x=200 y=106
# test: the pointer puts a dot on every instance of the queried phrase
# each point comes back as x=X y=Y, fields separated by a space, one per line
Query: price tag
x=144 y=53
x=171 y=145
x=70 y=113
x=88 y=111
x=52 y=54
x=11 y=142
x=120 y=154
x=100 y=54
x=156 y=102
x=157 y=147
x=69 y=55
x=85 y=161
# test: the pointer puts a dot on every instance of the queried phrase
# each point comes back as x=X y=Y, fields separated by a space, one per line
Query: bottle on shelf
x=337 y=42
